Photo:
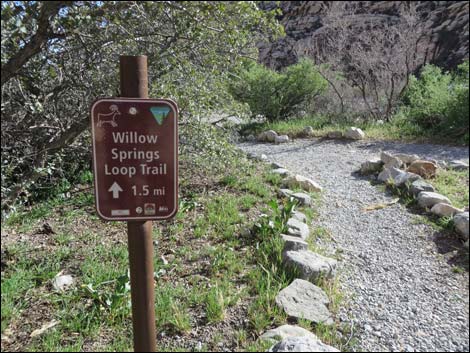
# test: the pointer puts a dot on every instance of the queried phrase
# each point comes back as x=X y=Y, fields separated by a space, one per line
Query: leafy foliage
x=57 y=57
x=439 y=100
x=277 y=95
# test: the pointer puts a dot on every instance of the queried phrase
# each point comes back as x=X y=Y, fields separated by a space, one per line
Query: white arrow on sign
x=115 y=189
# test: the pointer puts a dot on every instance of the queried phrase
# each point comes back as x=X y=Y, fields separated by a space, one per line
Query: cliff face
x=446 y=24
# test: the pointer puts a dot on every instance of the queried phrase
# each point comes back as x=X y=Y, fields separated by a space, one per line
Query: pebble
x=418 y=290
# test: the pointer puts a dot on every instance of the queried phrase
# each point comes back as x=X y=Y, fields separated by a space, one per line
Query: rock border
x=311 y=303
x=409 y=173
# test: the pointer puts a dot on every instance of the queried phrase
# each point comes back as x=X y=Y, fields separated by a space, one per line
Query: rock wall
x=446 y=22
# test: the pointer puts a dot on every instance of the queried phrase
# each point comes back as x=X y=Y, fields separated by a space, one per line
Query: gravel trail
x=403 y=293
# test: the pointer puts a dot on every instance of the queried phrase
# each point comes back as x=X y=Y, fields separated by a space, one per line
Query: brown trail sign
x=135 y=164
x=135 y=148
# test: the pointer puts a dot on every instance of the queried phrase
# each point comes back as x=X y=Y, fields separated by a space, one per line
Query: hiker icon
x=109 y=118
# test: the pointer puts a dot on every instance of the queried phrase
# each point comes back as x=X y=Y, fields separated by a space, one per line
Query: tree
x=278 y=95
x=59 y=56
x=376 y=53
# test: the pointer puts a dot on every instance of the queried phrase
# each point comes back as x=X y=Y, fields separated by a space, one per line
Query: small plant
x=115 y=303
x=215 y=305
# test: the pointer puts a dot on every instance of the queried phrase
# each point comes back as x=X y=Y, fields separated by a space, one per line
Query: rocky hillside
x=446 y=22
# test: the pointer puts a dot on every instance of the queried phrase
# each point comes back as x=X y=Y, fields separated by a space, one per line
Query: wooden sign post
x=135 y=164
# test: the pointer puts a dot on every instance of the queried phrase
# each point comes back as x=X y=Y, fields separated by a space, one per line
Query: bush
x=277 y=95
x=439 y=100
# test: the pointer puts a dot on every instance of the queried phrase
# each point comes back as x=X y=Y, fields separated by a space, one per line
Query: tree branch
x=48 y=11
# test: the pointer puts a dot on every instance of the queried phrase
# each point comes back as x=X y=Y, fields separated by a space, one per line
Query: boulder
x=335 y=134
x=310 y=266
x=282 y=332
x=407 y=158
x=299 y=216
x=461 y=224
x=251 y=138
x=458 y=165
x=386 y=157
x=303 y=199
x=397 y=177
x=292 y=243
x=270 y=135
x=388 y=175
x=308 y=131
x=419 y=186
x=281 y=139
x=426 y=169
x=371 y=166
x=303 y=183
x=302 y=344
x=405 y=178
x=445 y=210
x=354 y=133
x=429 y=199
x=394 y=162
x=304 y=300
x=297 y=229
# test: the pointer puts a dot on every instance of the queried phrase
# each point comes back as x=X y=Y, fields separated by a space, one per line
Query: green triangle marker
x=160 y=113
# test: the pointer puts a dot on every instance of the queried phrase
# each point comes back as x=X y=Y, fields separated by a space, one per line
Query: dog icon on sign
x=109 y=118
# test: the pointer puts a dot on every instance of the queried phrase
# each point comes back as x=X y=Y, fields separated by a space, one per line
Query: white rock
x=299 y=216
x=354 y=133
x=407 y=158
x=461 y=224
x=311 y=266
x=281 y=139
x=302 y=182
x=285 y=331
x=285 y=192
x=308 y=131
x=458 y=165
x=429 y=199
x=371 y=166
x=445 y=210
x=270 y=135
x=304 y=199
x=302 y=344
x=420 y=185
x=297 y=229
x=63 y=282
x=393 y=162
x=281 y=171
x=405 y=178
x=386 y=157
x=292 y=243
x=304 y=300
x=397 y=177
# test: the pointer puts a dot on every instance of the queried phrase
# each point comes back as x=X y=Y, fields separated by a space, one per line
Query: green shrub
x=439 y=100
x=277 y=95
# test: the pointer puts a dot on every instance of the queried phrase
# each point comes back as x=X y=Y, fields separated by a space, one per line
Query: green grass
x=454 y=185
x=399 y=129
x=212 y=269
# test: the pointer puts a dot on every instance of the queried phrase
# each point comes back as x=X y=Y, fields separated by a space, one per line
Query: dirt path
x=403 y=292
